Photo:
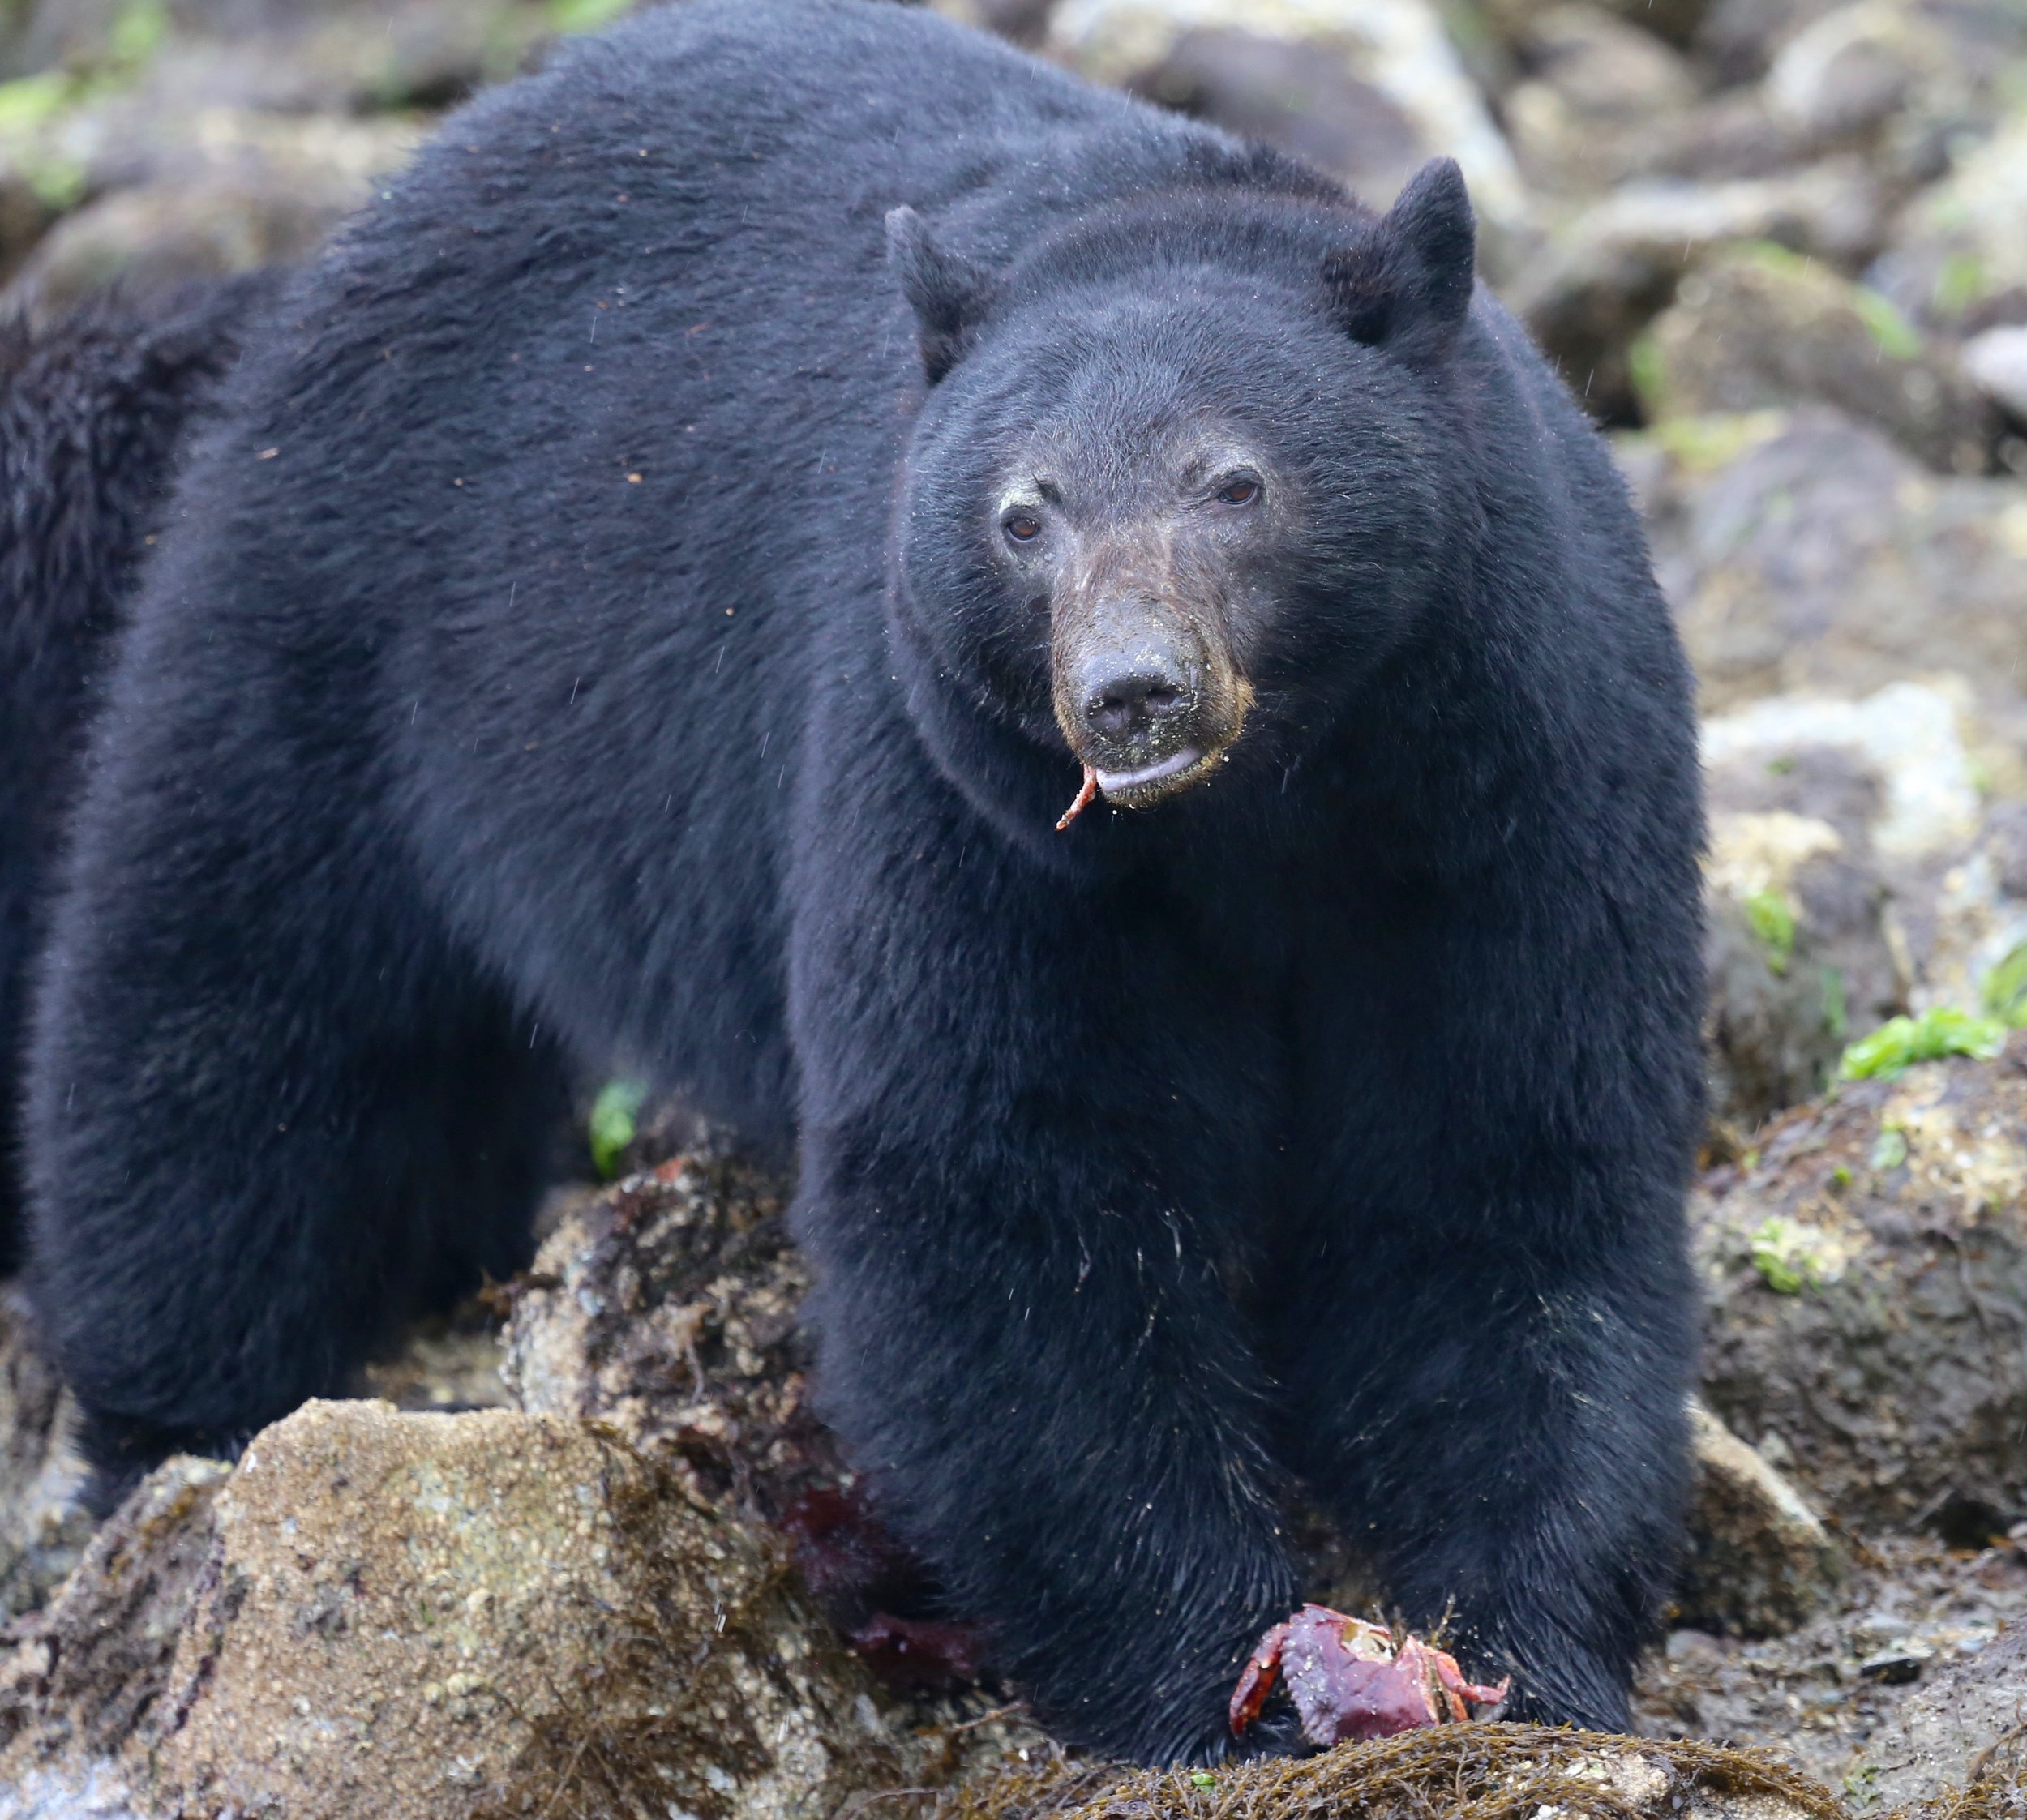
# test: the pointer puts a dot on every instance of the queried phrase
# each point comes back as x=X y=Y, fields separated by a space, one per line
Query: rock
x=666 y=1311
x=1777 y=1016
x=1755 y=328
x=1854 y=874
x=1358 y=53
x=1279 y=90
x=315 y=56
x=1996 y=363
x=1918 y=797
x=1865 y=1278
x=95 y=1668
x=1962 y=1728
x=1845 y=74
x=435 y=1615
x=1616 y=263
x=1675 y=21
x=1601 y=89
x=198 y=195
x=1759 y=1560
x=447 y=1363
x=153 y=240
x=1957 y=250
x=44 y=1527
x=1025 y=21
x=1804 y=553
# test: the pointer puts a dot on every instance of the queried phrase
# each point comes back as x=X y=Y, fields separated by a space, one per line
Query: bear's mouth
x=1117 y=783
x=1138 y=789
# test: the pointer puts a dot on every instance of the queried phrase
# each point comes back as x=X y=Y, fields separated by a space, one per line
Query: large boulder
x=1757 y=326
x=1600 y=89
x=1614 y=264
x=1957 y=253
x=1865 y=1278
x=425 y=1616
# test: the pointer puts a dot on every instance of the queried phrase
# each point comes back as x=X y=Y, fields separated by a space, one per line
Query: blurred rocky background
x=589 y=1551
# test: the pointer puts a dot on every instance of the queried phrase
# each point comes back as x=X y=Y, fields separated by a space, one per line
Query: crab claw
x=1456 y=1689
x=1262 y=1669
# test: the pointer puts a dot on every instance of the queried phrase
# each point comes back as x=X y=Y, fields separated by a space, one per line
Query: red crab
x=1348 y=1679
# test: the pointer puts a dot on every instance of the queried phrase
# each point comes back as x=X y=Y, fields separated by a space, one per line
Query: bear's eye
x=1022 y=527
x=1241 y=490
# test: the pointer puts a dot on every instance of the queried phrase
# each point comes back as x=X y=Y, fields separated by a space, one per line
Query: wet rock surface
x=666 y=1311
x=1758 y=328
x=1866 y=1273
x=420 y=1615
x=1856 y=872
x=1911 y=1614
x=1760 y=1561
x=43 y=1527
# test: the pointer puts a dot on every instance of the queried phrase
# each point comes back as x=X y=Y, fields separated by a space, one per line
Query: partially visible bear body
x=663 y=581
x=93 y=409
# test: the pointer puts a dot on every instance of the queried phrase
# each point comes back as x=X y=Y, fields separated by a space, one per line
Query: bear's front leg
x=1024 y=1340
x=1511 y=1449
x=1504 y=1132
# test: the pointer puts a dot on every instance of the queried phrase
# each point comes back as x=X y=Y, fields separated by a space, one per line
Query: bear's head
x=1185 y=473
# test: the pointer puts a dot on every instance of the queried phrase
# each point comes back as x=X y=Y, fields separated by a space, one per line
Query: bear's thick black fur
x=594 y=630
x=92 y=410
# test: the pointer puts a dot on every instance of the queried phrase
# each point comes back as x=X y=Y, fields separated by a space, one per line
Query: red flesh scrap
x=1083 y=799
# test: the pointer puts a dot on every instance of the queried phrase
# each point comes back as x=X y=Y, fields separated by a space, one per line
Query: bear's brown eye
x=1242 y=491
x=1022 y=527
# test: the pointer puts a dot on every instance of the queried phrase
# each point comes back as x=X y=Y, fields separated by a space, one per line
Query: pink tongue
x=1083 y=799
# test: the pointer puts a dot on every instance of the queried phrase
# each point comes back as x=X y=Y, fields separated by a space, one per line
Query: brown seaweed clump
x=1482 y=1771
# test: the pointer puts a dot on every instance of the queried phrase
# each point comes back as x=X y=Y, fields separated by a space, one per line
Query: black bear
x=665 y=581
x=93 y=411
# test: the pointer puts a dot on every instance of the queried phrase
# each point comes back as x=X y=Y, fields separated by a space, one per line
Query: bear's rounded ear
x=1406 y=282
x=947 y=292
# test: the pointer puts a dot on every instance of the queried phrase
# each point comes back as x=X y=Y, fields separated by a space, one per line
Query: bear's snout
x=1137 y=699
x=1144 y=694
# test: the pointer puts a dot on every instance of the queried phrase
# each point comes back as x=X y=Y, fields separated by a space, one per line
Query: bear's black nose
x=1128 y=695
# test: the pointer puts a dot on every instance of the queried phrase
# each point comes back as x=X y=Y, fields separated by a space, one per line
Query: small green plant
x=1900 y=1041
x=32 y=101
x=1889 y=1149
x=1704 y=444
x=1892 y=332
x=1840 y=1177
x=1648 y=370
x=612 y=1125
x=1774 y=921
x=584 y=15
x=137 y=33
x=32 y=105
x=1959 y=284
x=1203 y=1779
x=1788 y=1256
x=2006 y=989
x=1836 y=1006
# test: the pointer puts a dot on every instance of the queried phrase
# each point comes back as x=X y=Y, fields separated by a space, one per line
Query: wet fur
x=93 y=409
